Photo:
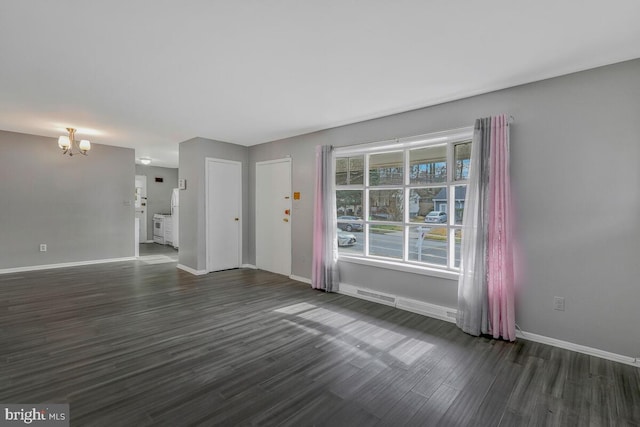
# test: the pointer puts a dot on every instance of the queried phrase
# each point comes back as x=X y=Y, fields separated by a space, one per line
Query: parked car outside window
x=346 y=239
x=349 y=223
x=436 y=216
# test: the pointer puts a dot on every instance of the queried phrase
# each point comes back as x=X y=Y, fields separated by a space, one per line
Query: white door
x=273 y=216
x=141 y=206
x=223 y=214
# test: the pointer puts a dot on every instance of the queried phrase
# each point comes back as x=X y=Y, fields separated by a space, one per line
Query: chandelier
x=67 y=143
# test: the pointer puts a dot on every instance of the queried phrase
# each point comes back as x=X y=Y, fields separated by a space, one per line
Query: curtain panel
x=486 y=283
x=324 y=266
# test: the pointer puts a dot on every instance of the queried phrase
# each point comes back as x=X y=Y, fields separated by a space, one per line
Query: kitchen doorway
x=141 y=206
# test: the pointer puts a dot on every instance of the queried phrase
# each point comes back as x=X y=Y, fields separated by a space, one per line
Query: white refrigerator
x=175 y=215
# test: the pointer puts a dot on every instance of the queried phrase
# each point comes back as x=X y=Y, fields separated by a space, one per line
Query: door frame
x=207 y=162
x=145 y=208
x=267 y=162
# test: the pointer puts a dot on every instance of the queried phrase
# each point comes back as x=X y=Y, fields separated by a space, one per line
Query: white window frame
x=450 y=138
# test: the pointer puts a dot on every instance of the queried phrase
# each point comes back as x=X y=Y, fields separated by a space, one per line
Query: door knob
x=237 y=219
x=287 y=212
x=285 y=219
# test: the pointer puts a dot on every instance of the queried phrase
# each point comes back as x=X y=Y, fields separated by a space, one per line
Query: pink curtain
x=500 y=287
x=324 y=269
x=486 y=284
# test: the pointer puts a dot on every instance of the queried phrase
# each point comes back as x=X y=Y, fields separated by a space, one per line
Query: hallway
x=154 y=253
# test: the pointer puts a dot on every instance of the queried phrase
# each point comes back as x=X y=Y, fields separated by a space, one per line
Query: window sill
x=407 y=268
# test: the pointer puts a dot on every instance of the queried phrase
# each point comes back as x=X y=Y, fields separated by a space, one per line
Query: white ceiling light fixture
x=145 y=160
x=67 y=143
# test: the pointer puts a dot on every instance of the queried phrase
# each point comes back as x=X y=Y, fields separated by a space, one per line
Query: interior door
x=223 y=214
x=273 y=216
x=141 y=206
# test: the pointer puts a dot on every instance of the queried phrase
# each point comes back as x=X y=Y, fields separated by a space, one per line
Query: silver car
x=346 y=239
x=436 y=216
x=349 y=223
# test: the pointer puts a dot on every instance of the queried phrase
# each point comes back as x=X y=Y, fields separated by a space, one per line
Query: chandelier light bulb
x=63 y=142
x=84 y=145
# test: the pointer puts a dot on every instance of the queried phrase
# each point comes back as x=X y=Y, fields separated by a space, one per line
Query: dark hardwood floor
x=135 y=344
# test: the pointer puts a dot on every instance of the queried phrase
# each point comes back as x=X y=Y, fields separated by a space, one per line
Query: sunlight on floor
x=327 y=318
x=296 y=308
x=407 y=351
x=411 y=350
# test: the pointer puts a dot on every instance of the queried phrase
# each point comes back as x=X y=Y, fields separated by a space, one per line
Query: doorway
x=223 y=204
x=141 y=206
x=273 y=216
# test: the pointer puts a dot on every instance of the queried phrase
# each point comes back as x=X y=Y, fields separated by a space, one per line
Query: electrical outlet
x=43 y=247
x=558 y=303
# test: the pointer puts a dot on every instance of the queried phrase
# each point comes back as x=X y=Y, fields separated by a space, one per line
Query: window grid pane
x=349 y=170
x=386 y=241
x=386 y=205
x=349 y=203
x=460 y=192
x=428 y=245
x=462 y=159
x=386 y=169
x=428 y=165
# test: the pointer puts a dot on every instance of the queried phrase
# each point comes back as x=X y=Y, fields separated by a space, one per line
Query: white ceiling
x=149 y=74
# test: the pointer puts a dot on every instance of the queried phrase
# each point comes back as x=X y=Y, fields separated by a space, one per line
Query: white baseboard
x=578 y=348
x=63 y=265
x=449 y=314
x=426 y=309
x=191 y=270
x=300 y=279
x=251 y=266
x=367 y=294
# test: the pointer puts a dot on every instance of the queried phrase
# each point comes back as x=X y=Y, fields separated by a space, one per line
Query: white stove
x=161 y=225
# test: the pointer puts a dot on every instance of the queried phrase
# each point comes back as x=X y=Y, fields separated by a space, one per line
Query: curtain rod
x=398 y=140
x=443 y=135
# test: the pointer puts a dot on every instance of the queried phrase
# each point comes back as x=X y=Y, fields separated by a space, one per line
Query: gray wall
x=575 y=152
x=158 y=193
x=192 y=200
x=81 y=207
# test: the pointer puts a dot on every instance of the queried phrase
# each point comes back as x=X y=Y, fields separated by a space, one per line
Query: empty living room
x=319 y=214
